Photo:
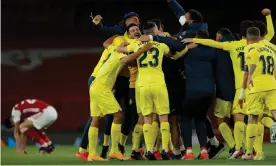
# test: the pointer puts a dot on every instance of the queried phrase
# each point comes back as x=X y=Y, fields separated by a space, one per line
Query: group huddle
x=156 y=84
x=172 y=82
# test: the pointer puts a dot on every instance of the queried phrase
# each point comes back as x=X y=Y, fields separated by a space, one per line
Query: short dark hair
x=195 y=15
x=224 y=31
x=261 y=26
x=244 y=25
x=253 y=32
x=158 y=23
x=131 y=25
x=237 y=36
x=203 y=34
x=149 y=25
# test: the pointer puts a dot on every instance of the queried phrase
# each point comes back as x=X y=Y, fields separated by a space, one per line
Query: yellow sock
x=93 y=140
x=106 y=140
x=115 y=137
x=81 y=150
x=258 y=144
x=165 y=133
x=137 y=136
x=170 y=143
x=123 y=139
x=239 y=134
x=147 y=130
x=155 y=130
x=227 y=134
x=251 y=134
x=267 y=122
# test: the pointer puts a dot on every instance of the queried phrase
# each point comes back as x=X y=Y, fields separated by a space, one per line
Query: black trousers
x=195 y=107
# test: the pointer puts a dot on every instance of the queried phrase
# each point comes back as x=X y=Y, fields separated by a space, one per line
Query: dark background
x=32 y=28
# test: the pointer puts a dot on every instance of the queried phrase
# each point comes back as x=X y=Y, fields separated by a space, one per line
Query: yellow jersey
x=108 y=72
x=264 y=58
x=150 y=64
x=103 y=58
x=105 y=55
x=272 y=47
x=236 y=51
x=132 y=70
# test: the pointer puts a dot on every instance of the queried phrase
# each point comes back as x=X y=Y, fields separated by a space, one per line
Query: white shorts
x=44 y=119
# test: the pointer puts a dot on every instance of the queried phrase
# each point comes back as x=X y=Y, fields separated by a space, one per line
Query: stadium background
x=49 y=48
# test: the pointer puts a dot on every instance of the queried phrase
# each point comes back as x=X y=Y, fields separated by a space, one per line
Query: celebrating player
x=103 y=101
x=261 y=83
x=29 y=118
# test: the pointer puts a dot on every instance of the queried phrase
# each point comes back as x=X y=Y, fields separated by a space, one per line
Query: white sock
x=273 y=127
x=189 y=151
x=44 y=145
x=176 y=151
x=182 y=148
x=214 y=142
x=203 y=151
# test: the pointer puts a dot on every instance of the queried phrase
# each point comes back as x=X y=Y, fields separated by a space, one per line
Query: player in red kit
x=28 y=118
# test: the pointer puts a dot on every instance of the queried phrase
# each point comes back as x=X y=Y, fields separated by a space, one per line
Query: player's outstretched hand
x=147 y=47
x=266 y=12
x=191 y=45
x=97 y=19
x=187 y=40
x=144 y=38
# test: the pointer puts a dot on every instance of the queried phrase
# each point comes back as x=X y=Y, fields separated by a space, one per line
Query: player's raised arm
x=180 y=54
x=107 y=31
x=133 y=56
x=178 y=11
x=109 y=41
x=211 y=43
x=269 y=23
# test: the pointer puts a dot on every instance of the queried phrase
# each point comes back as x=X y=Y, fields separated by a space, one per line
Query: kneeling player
x=29 y=117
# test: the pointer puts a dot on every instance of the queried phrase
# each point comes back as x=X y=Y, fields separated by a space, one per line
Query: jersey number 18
x=268 y=64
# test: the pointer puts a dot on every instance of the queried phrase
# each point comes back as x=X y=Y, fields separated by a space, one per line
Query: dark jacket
x=224 y=74
x=199 y=70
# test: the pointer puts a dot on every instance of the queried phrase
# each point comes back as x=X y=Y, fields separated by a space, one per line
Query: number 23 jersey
x=263 y=77
x=149 y=64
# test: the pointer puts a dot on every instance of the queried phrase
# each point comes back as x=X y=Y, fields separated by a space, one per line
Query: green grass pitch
x=65 y=155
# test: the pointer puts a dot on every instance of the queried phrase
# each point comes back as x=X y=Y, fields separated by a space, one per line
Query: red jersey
x=27 y=108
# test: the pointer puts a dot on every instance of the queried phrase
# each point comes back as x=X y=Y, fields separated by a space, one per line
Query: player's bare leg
x=93 y=140
x=165 y=133
x=137 y=134
x=175 y=136
x=251 y=134
x=239 y=130
x=115 y=137
x=227 y=134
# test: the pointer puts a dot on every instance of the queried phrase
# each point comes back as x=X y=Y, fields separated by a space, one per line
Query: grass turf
x=65 y=155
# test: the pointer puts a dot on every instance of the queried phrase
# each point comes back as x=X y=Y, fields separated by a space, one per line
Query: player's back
x=150 y=65
x=199 y=69
x=263 y=77
x=236 y=50
x=110 y=68
x=29 y=107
